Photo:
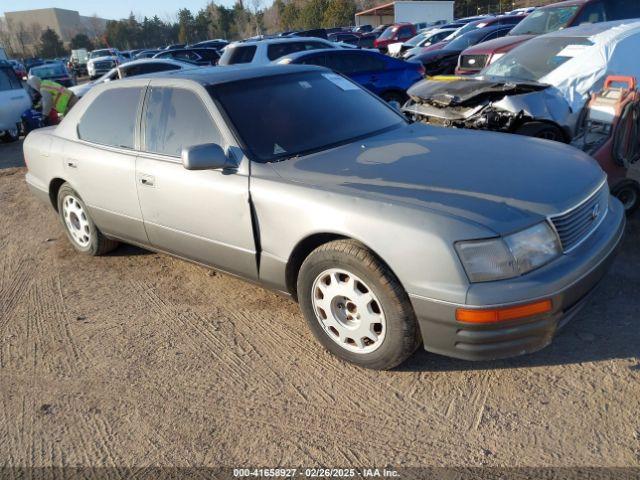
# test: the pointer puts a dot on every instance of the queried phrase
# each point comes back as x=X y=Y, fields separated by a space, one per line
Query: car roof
x=566 y=3
x=274 y=40
x=146 y=61
x=233 y=73
x=339 y=51
x=591 y=29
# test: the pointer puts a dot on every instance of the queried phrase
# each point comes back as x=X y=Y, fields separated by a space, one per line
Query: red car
x=545 y=20
x=19 y=69
x=398 y=32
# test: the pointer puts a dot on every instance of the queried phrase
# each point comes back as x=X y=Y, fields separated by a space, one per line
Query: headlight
x=510 y=256
x=497 y=56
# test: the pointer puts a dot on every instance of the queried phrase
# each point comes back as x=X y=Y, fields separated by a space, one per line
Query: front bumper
x=567 y=282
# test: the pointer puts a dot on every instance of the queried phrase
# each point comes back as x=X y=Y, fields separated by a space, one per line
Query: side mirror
x=209 y=156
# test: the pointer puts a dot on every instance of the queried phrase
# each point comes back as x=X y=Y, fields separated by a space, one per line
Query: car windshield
x=283 y=116
x=537 y=58
x=49 y=70
x=466 y=40
x=417 y=39
x=388 y=33
x=545 y=20
x=100 y=53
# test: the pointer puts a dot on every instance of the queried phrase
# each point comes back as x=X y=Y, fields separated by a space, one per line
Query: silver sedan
x=389 y=234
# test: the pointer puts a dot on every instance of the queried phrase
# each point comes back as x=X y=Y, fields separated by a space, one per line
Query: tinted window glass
x=286 y=115
x=592 y=13
x=9 y=80
x=111 y=118
x=147 y=68
x=277 y=50
x=314 y=60
x=236 y=55
x=545 y=20
x=176 y=118
x=351 y=63
x=622 y=9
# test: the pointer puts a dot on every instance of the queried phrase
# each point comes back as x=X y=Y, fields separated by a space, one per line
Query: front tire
x=356 y=307
x=628 y=192
x=542 y=130
x=78 y=225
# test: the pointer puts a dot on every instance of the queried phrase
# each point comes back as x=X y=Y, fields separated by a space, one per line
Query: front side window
x=546 y=20
x=592 y=13
x=111 y=118
x=175 y=118
x=622 y=9
x=281 y=116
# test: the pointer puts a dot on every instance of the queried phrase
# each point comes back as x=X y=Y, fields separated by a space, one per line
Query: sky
x=113 y=9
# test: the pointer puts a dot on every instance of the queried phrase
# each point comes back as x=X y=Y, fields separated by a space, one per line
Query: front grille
x=107 y=64
x=578 y=224
x=473 y=62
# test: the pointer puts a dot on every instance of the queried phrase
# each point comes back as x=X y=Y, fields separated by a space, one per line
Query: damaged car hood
x=481 y=177
x=462 y=91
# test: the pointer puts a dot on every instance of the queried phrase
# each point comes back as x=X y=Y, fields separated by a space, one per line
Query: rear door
x=200 y=215
x=100 y=166
x=14 y=99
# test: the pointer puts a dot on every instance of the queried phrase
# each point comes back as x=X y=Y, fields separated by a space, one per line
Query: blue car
x=387 y=77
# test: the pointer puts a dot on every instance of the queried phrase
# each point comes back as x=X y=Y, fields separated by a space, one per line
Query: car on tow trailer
x=389 y=234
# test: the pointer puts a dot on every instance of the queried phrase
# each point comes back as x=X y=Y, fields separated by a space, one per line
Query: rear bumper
x=569 y=282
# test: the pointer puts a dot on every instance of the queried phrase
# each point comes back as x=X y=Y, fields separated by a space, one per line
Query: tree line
x=236 y=22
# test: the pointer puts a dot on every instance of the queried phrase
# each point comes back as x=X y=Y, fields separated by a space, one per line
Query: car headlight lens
x=510 y=256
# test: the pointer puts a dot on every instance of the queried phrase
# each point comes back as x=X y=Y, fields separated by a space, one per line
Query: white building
x=411 y=11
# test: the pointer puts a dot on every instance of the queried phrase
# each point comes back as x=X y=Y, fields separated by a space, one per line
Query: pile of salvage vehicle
x=577 y=86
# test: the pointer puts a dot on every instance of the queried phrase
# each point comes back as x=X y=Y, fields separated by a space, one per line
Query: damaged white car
x=538 y=89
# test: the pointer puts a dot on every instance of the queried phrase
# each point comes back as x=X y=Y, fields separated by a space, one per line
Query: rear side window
x=278 y=50
x=147 y=68
x=352 y=63
x=176 y=118
x=111 y=118
x=9 y=80
x=239 y=55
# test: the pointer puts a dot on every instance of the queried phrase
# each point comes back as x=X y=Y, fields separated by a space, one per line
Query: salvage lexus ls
x=389 y=234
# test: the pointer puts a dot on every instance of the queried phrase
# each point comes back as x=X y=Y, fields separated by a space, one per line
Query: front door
x=200 y=215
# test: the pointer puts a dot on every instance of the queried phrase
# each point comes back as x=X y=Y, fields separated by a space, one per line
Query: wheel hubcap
x=348 y=311
x=76 y=221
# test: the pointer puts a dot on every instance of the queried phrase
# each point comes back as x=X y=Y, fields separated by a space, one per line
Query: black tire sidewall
x=628 y=184
x=394 y=346
x=93 y=246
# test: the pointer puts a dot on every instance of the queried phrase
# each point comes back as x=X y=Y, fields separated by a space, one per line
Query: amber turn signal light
x=496 y=315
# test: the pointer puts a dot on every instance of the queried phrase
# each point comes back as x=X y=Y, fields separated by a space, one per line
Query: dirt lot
x=139 y=359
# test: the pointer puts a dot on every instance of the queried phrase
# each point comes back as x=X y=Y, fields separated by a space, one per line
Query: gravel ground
x=138 y=359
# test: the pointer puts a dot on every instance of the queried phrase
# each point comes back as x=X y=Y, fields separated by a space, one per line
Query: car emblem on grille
x=472 y=61
x=595 y=213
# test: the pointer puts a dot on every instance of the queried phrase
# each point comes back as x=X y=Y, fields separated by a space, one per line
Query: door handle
x=72 y=165
x=147 y=180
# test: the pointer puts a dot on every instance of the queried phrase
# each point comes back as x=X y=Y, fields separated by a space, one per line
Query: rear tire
x=356 y=307
x=542 y=130
x=78 y=225
x=10 y=136
x=628 y=192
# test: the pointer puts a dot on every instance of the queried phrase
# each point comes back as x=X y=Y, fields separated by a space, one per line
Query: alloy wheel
x=348 y=311
x=75 y=218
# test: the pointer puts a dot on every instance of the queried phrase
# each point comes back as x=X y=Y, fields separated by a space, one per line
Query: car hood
x=502 y=182
x=501 y=44
x=452 y=91
x=434 y=56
